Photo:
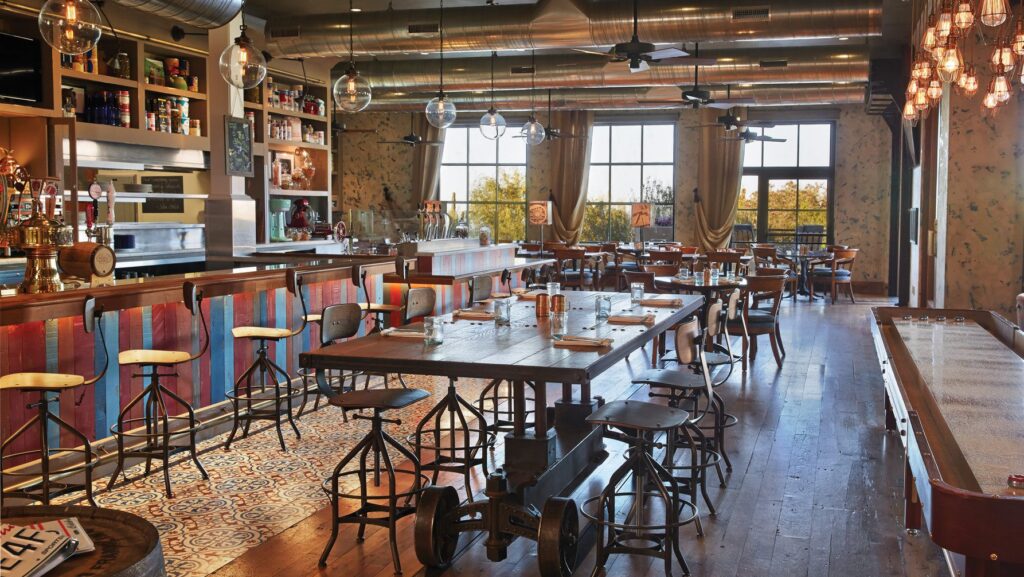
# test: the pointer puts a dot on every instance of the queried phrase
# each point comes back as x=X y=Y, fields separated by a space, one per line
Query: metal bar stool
x=159 y=437
x=690 y=387
x=371 y=510
x=639 y=531
x=338 y=322
x=283 y=393
x=51 y=482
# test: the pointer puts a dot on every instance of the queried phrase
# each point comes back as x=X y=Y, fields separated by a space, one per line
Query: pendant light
x=934 y=91
x=1003 y=59
x=440 y=110
x=533 y=131
x=964 y=16
x=921 y=102
x=929 y=39
x=241 y=64
x=971 y=84
x=912 y=87
x=492 y=123
x=993 y=12
x=952 y=63
x=1001 y=88
x=352 y=92
x=944 y=23
x=1018 y=37
x=70 y=26
x=991 y=101
x=910 y=113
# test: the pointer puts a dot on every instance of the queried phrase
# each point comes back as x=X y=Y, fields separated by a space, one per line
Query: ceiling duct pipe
x=571 y=24
x=631 y=98
x=779 y=66
x=205 y=14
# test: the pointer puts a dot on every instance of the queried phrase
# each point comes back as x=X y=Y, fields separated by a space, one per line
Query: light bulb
x=1001 y=88
x=990 y=101
x=964 y=17
x=352 y=92
x=492 y=124
x=925 y=70
x=70 y=26
x=929 y=39
x=911 y=88
x=971 y=85
x=934 y=90
x=441 y=111
x=993 y=12
x=909 y=112
x=241 y=64
x=1003 y=59
x=939 y=52
x=533 y=131
x=921 y=101
x=944 y=24
x=951 y=64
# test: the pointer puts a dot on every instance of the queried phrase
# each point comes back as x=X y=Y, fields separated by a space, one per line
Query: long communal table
x=540 y=462
x=955 y=393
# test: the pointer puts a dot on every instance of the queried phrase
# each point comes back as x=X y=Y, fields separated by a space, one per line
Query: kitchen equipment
x=278 y=217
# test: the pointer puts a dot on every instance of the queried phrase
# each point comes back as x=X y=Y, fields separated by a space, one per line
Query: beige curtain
x=570 y=162
x=720 y=167
x=426 y=160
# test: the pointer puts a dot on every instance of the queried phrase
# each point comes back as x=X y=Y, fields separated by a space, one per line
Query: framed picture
x=164 y=185
x=238 y=150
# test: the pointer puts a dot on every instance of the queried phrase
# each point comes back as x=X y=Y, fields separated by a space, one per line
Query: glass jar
x=503 y=312
x=602 y=307
x=636 y=294
x=433 y=329
x=559 y=325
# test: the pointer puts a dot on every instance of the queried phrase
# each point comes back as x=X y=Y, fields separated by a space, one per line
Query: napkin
x=631 y=319
x=405 y=334
x=667 y=303
x=569 y=341
x=475 y=315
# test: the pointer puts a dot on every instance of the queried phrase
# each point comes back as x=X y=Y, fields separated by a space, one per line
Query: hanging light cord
x=117 y=39
x=440 y=28
x=533 y=84
x=494 y=56
x=351 y=42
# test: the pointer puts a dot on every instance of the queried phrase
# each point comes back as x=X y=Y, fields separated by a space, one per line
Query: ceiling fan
x=698 y=97
x=733 y=122
x=640 y=55
x=749 y=135
x=413 y=139
x=556 y=133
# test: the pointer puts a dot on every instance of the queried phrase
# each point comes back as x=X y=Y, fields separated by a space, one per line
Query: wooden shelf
x=98 y=78
x=174 y=91
x=290 y=144
x=142 y=137
x=293 y=114
x=22 y=110
x=252 y=105
x=300 y=193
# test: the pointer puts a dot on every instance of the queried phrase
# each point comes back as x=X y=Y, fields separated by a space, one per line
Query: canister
x=558 y=303
x=543 y=306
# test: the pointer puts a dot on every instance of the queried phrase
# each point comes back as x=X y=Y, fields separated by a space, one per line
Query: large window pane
x=782 y=222
x=453 y=183
x=512 y=184
x=747 y=217
x=815 y=144
x=781 y=194
x=659 y=142
x=626 y=143
x=597 y=188
x=748 y=193
x=815 y=217
x=599 y=147
x=813 y=194
x=454 y=146
x=595 y=222
x=752 y=152
x=481 y=214
x=625 y=183
x=781 y=153
x=482 y=150
x=619 y=227
x=511 y=150
x=482 y=186
x=657 y=186
x=663 y=215
x=511 y=222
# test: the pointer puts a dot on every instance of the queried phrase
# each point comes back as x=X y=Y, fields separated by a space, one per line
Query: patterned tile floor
x=255 y=491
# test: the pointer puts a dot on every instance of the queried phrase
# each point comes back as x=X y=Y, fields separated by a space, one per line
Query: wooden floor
x=816 y=487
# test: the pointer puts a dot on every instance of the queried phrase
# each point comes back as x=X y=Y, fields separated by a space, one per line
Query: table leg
x=527 y=453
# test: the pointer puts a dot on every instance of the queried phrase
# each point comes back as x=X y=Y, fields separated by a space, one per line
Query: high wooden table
x=955 y=392
x=540 y=462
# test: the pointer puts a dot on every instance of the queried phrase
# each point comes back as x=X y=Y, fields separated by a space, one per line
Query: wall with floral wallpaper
x=366 y=166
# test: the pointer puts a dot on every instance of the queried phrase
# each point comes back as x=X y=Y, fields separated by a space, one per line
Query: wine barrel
x=126 y=545
x=85 y=259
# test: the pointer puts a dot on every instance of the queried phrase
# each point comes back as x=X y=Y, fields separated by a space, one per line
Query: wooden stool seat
x=314 y=317
x=152 y=357
x=379 y=399
x=40 y=381
x=638 y=415
x=261 y=333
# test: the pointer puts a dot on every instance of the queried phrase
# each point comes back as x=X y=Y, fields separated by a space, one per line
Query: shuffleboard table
x=954 y=384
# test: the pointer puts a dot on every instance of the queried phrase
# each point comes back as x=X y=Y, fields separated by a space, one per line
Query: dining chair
x=726 y=257
x=530 y=246
x=665 y=256
x=767 y=256
x=662 y=269
x=619 y=264
x=646 y=278
x=688 y=249
x=763 y=322
x=836 y=272
x=571 y=268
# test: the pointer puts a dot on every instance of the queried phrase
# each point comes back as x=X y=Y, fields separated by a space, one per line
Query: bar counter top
x=220 y=280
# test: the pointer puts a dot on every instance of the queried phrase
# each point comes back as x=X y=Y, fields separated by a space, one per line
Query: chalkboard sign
x=164 y=185
x=238 y=152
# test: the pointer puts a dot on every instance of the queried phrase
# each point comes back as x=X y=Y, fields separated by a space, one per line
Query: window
x=786 y=189
x=485 y=181
x=630 y=163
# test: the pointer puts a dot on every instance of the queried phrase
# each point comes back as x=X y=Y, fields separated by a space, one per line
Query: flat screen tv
x=21 y=80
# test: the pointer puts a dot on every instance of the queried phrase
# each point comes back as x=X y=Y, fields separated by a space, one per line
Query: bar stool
x=282 y=395
x=637 y=424
x=371 y=511
x=45 y=384
x=693 y=388
x=159 y=436
x=378 y=310
x=458 y=446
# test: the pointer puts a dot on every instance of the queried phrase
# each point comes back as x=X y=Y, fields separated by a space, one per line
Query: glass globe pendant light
x=533 y=131
x=440 y=110
x=1003 y=58
x=241 y=64
x=492 y=123
x=993 y=12
x=70 y=26
x=352 y=92
x=934 y=91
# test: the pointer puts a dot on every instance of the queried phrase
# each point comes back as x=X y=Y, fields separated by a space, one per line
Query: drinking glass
x=433 y=328
x=559 y=325
x=554 y=288
x=636 y=293
x=602 y=307
x=684 y=272
x=714 y=272
x=503 y=312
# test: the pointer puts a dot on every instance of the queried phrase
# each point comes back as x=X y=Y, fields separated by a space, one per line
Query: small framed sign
x=540 y=212
x=641 y=215
x=238 y=146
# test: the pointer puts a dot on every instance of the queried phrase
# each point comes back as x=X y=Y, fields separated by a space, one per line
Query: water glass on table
x=554 y=288
x=559 y=325
x=602 y=307
x=503 y=312
x=636 y=293
x=433 y=328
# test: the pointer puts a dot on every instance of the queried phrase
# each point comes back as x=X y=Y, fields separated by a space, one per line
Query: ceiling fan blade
x=757 y=123
x=688 y=61
x=676 y=101
x=594 y=52
x=736 y=101
x=431 y=142
x=667 y=53
x=771 y=139
x=718 y=105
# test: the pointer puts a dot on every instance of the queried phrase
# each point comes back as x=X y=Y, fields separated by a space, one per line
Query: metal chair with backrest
x=480 y=288
x=836 y=272
x=158 y=438
x=51 y=482
x=377 y=310
x=338 y=322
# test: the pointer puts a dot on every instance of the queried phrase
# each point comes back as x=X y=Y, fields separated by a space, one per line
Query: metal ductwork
x=778 y=66
x=629 y=98
x=205 y=14
x=571 y=24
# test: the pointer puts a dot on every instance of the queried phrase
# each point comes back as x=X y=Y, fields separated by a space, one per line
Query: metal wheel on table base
x=435 y=540
x=558 y=537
